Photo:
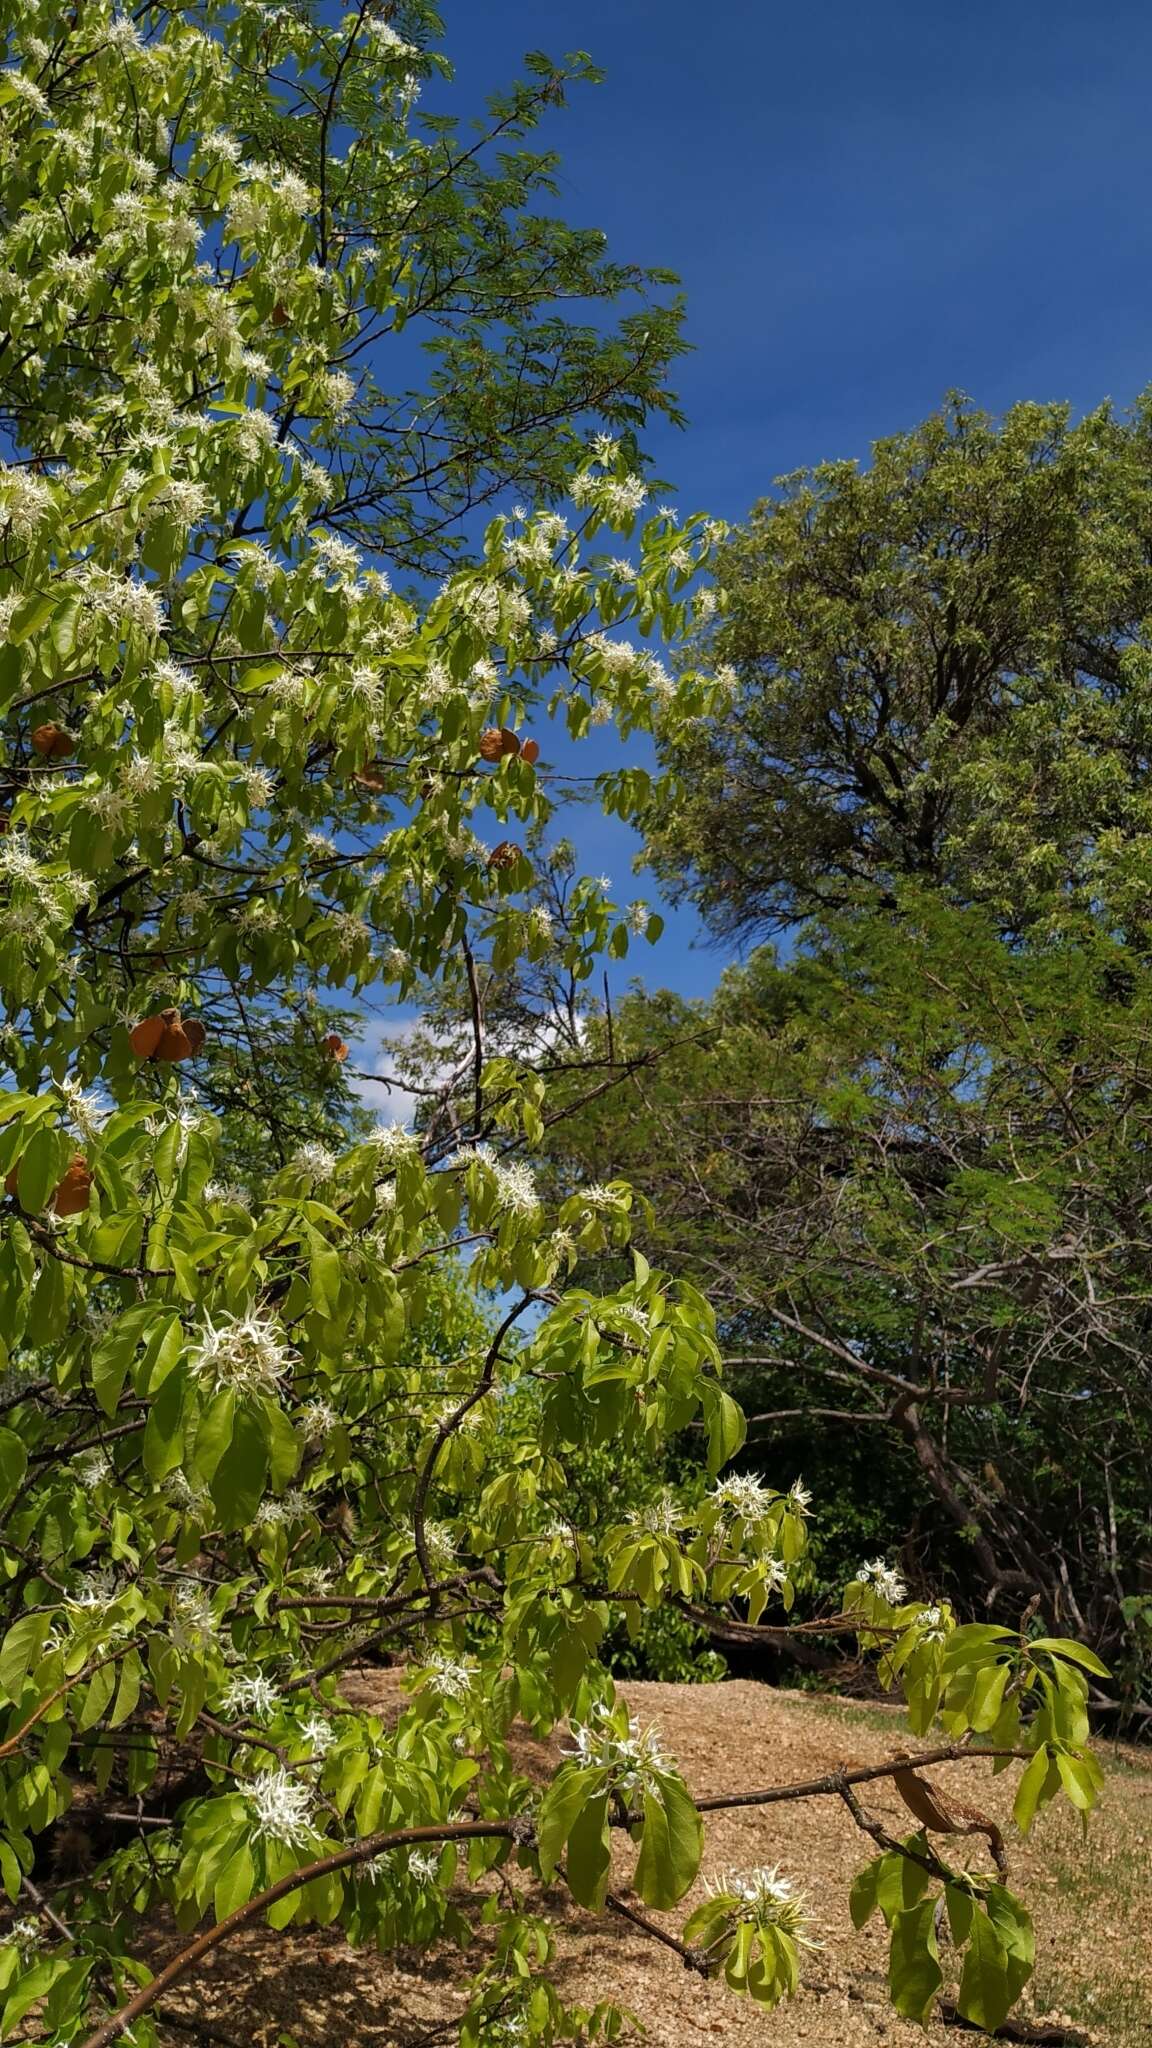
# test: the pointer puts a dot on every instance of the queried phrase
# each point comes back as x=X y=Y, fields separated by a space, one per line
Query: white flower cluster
x=931 y=1624
x=246 y=1353
x=283 y=1808
x=744 y=1497
x=193 y=1621
x=292 y=1506
x=764 y=1896
x=512 y=1181
x=438 y=1540
x=448 y=1677
x=317 y=1420
x=97 y=1592
x=659 y=1517
x=594 y=1196
x=880 y=1576
x=26 y=1935
x=634 y=1759
x=120 y=602
x=319 y=1734
x=314 y=1161
x=25 y=499
x=93 y=1468
x=251 y=1695
x=620 y=497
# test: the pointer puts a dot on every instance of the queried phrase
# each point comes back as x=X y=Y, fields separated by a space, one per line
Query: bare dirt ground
x=1092 y=1901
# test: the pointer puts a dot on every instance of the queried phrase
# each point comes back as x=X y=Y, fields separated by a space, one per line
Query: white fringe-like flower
x=315 y=1161
x=246 y=1353
x=660 y=1517
x=884 y=1580
x=438 y=1539
x=316 y=1421
x=193 y=1621
x=764 y=1896
x=931 y=1625
x=253 y=1695
x=283 y=1808
x=799 y=1497
x=448 y=1677
x=25 y=499
x=319 y=1734
x=634 y=1759
x=744 y=1496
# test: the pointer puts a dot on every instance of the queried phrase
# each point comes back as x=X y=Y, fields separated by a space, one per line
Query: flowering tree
x=252 y=1434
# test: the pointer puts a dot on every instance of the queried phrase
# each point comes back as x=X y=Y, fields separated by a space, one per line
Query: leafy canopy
x=938 y=672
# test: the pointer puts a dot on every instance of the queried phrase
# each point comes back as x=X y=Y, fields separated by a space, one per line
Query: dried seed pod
x=166 y=1037
x=371 y=776
x=497 y=742
x=71 y=1196
x=505 y=855
x=51 y=742
x=530 y=752
x=335 y=1047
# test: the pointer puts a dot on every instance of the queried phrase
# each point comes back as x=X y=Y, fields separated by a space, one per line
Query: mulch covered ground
x=1092 y=1904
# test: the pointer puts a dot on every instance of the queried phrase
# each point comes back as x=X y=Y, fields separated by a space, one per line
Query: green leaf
x=914 y=1973
x=237 y=1485
x=671 y=1844
x=566 y=1795
x=235 y=1883
x=1073 y=1652
x=41 y=1167
x=1079 y=1779
x=164 y=1431
x=960 y=1910
x=725 y=1423
x=985 y=1996
x=900 y=1882
x=10 y=1870
x=20 y=1650
x=589 y=1858
x=127 y=1691
x=864 y=1898
x=13 y=1464
x=215 y=1433
x=1038 y=1782
x=324 y=1274
x=1013 y=1924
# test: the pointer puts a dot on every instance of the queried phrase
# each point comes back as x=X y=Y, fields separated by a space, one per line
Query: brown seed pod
x=497 y=742
x=166 y=1037
x=11 y=1178
x=280 y=315
x=370 y=776
x=505 y=855
x=335 y=1047
x=530 y=752
x=71 y=1196
x=52 y=743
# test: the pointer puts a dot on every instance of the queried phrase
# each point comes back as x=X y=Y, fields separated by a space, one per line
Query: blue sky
x=867 y=206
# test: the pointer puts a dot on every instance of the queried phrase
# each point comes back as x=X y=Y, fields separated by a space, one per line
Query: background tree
x=909 y=1169
x=939 y=672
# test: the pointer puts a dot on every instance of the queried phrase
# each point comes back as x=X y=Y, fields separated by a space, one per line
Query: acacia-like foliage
x=252 y=1431
x=908 y=1166
x=938 y=670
